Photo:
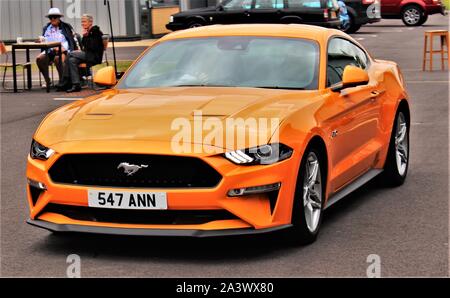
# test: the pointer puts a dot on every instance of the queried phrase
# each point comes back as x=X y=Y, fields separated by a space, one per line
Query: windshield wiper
x=197 y=85
x=279 y=87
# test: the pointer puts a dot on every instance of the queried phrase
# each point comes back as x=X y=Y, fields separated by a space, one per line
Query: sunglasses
x=53 y=17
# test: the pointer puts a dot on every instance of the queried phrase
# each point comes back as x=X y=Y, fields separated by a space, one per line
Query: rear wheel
x=397 y=160
x=423 y=20
x=351 y=27
x=308 y=199
x=413 y=15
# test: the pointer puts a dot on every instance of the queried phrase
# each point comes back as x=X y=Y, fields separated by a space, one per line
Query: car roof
x=269 y=30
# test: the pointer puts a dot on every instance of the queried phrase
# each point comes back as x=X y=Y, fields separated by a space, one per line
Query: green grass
x=122 y=65
x=446 y=3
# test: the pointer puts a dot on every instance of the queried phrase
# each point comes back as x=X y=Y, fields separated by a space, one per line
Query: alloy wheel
x=401 y=144
x=412 y=16
x=312 y=192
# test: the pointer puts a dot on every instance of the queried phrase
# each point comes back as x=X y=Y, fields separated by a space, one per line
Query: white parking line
x=392 y=31
x=427 y=82
x=68 y=98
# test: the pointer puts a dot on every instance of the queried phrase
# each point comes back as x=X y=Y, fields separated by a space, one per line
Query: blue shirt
x=54 y=34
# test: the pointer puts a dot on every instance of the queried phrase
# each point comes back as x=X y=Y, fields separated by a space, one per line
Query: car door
x=267 y=11
x=303 y=11
x=233 y=12
x=353 y=115
x=390 y=7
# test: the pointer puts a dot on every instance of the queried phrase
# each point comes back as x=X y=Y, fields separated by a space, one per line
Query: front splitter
x=69 y=228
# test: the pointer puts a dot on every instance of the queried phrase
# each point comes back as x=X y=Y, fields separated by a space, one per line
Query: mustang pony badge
x=130 y=169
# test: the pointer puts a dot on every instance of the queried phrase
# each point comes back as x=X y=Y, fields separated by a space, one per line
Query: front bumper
x=72 y=228
x=251 y=214
x=175 y=26
x=435 y=8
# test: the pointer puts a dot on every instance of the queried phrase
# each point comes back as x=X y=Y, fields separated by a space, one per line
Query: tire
x=413 y=15
x=423 y=20
x=308 y=210
x=396 y=166
x=352 y=28
x=195 y=24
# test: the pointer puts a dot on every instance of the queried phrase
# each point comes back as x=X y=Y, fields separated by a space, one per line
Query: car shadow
x=352 y=201
x=401 y=26
x=196 y=250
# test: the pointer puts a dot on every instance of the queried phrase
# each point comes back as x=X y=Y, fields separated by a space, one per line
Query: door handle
x=374 y=94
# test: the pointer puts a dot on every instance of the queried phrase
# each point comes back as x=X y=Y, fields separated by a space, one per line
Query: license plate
x=333 y=15
x=127 y=199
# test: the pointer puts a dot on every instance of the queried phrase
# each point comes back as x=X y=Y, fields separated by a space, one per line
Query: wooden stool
x=443 y=34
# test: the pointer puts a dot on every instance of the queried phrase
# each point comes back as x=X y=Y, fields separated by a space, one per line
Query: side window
x=332 y=4
x=269 y=4
x=341 y=53
x=238 y=4
x=304 y=3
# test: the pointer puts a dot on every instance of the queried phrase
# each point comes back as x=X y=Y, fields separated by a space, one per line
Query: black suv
x=362 y=12
x=313 y=12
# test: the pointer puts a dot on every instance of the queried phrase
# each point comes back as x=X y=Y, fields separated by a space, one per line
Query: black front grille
x=126 y=216
x=161 y=172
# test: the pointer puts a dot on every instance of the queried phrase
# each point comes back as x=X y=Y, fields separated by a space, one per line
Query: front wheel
x=195 y=24
x=308 y=199
x=413 y=15
x=397 y=160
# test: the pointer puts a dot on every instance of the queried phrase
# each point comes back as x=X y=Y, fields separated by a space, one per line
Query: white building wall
x=25 y=18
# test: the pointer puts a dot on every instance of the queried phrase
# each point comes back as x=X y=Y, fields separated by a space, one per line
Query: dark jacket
x=67 y=31
x=92 y=45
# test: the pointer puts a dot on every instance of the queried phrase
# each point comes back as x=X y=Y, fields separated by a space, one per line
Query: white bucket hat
x=54 y=11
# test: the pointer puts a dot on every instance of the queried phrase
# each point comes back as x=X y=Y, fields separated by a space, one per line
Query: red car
x=412 y=12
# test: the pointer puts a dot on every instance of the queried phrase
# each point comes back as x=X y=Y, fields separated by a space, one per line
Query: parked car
x=412 y=12
x=362 y=12
x=113 y=163
x=313 y=12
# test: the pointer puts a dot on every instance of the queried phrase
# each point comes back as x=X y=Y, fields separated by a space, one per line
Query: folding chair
x=86 y=70
x=5 y=53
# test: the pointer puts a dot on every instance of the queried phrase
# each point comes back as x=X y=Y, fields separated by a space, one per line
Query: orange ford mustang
x=154 y=156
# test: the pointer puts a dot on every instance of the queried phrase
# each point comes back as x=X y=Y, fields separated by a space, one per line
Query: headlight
x=171 y=19
x=39 y=151
x=261 y=155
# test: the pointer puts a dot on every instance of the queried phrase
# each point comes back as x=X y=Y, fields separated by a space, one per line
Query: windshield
x=285 y=63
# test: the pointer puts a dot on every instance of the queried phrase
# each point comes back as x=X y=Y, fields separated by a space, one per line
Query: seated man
x=91 y=53
x=55 y=31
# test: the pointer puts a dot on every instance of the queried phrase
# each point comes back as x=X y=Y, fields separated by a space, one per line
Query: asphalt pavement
x=407 y=227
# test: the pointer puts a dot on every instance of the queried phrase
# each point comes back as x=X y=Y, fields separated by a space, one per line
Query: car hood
x=157 y=114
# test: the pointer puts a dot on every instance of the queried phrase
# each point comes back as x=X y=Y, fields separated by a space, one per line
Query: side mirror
x=353 y=76
x=105 y=76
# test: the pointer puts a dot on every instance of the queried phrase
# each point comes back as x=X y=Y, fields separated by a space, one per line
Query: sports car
x=223 y=130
